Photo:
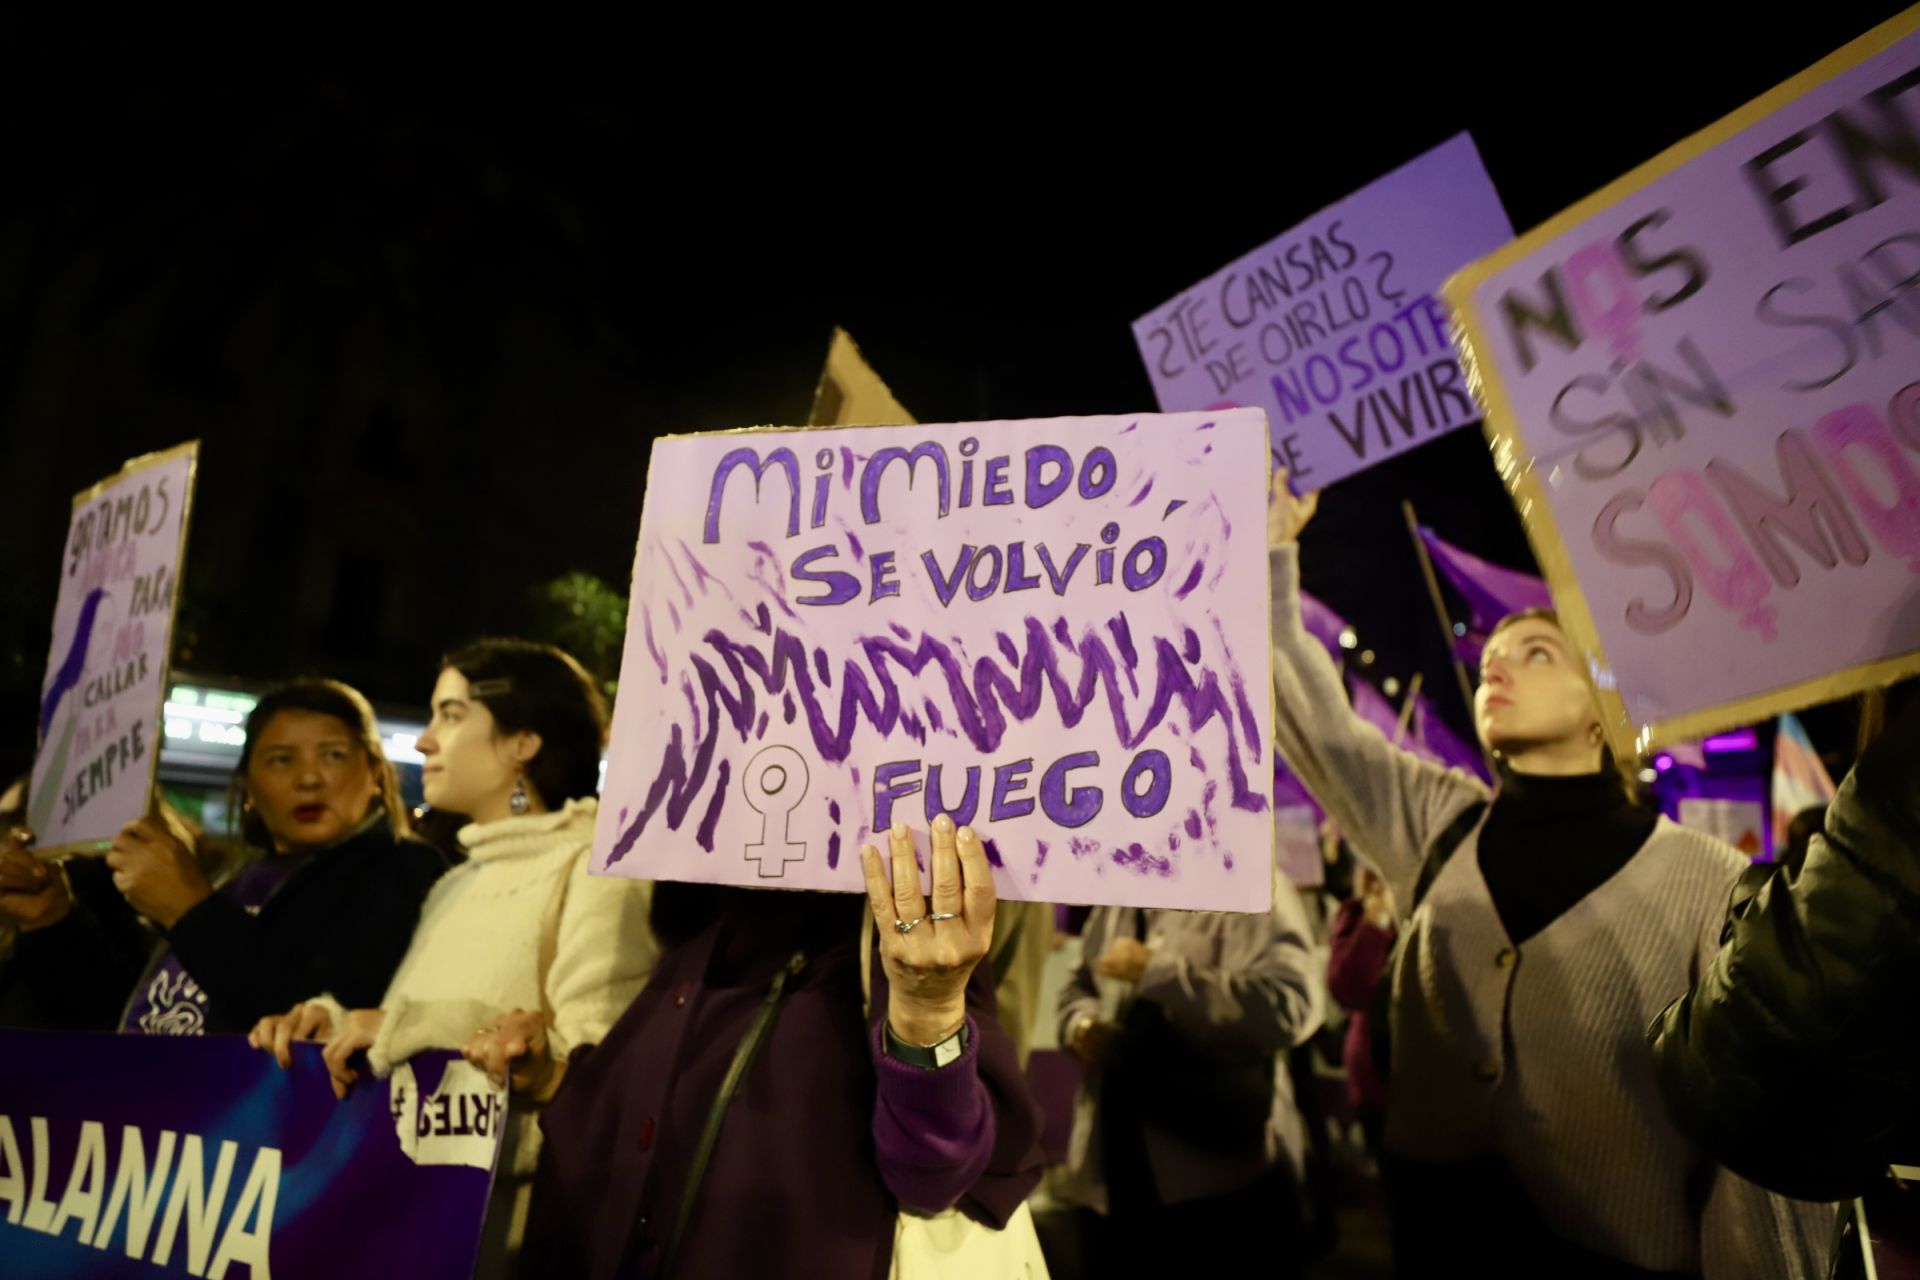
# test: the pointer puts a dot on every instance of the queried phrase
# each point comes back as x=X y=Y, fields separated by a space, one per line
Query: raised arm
x=1390 y=803
x=953 y=1122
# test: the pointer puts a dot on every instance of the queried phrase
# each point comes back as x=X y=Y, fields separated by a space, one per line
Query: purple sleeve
x=933 y=1131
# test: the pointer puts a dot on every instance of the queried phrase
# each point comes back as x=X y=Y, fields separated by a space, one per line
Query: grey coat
x=1226 y=982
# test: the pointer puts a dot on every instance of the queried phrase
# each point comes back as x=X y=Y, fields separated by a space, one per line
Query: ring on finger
x=938 y=916
x=906 y=926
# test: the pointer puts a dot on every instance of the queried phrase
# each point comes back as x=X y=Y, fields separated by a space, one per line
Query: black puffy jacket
x=1795 y=1060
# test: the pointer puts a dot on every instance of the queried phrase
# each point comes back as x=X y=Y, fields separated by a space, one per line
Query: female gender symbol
x=775 y=782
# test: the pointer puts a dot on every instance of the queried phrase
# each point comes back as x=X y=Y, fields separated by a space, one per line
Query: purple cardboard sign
x=1335 y=327
x=1703 y=385
x=1054 y=630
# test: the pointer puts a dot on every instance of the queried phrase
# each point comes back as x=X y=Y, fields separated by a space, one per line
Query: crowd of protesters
x=1581 y=1040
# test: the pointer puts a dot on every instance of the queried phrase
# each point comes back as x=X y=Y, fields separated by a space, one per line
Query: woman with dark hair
x=1542 y=927
x=520 y=955
x=326 y=899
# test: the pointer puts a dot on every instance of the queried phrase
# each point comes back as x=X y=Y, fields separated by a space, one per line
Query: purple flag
x=177 y=1155
x=1490 y=590
x=1372 y=706
x=1322 y=623
x=1288 y=790
x=1431 y=736
x=1427 y=736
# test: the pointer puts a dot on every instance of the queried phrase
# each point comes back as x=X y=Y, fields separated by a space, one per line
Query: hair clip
x=490 y=688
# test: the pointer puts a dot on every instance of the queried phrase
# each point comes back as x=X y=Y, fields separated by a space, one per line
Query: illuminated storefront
x=204 y=728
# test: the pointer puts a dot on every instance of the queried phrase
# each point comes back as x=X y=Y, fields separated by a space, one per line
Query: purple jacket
x=824 y=1142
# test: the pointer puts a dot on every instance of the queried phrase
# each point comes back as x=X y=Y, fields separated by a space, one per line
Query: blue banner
x=153 y=1155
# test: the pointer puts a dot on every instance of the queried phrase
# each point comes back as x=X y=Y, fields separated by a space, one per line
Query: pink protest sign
x=1335 y=327
x=1701 y=387
x=1053 y=630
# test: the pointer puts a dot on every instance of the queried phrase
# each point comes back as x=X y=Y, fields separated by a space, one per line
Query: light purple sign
x=106 y=676
x=1053 y=630
x=1703 y=384
x=1335 y=327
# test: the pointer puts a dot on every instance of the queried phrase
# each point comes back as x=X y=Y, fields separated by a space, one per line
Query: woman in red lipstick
x=326 y=898
x=1543 y=925
x=521 y=954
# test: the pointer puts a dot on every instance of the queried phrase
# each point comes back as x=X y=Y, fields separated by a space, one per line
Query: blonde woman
x=1526 y=1131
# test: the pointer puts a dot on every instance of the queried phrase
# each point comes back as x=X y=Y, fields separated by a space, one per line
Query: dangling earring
x=518 y=800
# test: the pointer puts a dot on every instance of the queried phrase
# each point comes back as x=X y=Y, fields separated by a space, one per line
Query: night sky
x=427 y=324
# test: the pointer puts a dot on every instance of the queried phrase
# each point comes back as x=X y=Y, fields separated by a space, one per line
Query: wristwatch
x=929 y=1057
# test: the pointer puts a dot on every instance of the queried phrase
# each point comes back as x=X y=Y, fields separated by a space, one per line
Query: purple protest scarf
x=140 y=1156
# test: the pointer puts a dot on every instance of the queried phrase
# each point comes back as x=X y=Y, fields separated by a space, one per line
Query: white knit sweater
x=476 y=951
x=1537 y=1054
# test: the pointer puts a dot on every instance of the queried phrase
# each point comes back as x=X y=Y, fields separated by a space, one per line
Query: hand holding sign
x=363 y=1026
x=155 y=873
x=1286 y=514
x=514 y=1042
x=1125 y=959
x=33 y=893
x=1041 y=626
x=277 y=1032
x=930 y=955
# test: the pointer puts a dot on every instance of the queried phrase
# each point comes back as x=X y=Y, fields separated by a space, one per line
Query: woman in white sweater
x=520 y=955
x=1525 y=1129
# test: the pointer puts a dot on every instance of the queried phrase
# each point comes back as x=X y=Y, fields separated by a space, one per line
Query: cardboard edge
x=191 y=451
x=1516 y=464
x=1848 y=56
x=132 y=467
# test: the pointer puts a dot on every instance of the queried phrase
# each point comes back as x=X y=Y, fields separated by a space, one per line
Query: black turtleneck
x=1549 y=842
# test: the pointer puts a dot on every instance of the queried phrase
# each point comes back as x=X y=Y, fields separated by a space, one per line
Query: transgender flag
x=1800 y=781
x=1490 y=590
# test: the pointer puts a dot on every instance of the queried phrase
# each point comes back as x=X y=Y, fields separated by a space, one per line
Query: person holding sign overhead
x=520 y=955
x=1543 y=927
x=328 y=897
x=746 y=1118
